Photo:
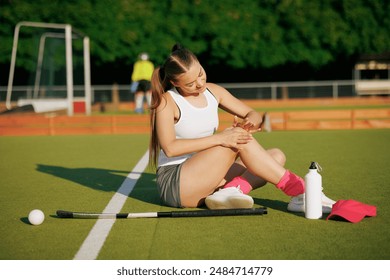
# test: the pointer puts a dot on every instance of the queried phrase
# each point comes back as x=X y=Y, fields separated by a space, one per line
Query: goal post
x=68 y=35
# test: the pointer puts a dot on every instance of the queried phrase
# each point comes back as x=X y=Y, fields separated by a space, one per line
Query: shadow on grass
x=276 y=205
x=25 y=220
x=282 y=206
x=108 y=180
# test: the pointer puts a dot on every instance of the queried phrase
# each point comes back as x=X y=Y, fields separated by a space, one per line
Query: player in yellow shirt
x=140 y=78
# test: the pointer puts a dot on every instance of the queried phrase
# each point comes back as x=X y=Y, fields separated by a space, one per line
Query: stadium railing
x=277 y=90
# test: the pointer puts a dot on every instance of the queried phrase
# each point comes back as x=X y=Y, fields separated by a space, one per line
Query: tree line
x=238 y=34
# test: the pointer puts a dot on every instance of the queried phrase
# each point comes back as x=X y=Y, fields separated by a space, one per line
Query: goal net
x=56 y=69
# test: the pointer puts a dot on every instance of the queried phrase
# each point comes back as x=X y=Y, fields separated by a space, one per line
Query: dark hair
x=178 y=62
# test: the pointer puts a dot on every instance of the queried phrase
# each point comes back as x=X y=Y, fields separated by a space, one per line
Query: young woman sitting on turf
x=195 y=163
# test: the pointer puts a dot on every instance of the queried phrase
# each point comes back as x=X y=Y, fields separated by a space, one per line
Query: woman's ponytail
x=157 y=87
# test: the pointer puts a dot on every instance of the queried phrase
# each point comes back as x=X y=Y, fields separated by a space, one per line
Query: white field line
x=91 y=246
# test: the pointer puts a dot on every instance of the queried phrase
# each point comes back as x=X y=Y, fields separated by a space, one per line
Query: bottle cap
x=315 y=165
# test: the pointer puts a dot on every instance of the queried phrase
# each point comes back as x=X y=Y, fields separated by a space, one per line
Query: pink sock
x=245 y=187
x=291 y=184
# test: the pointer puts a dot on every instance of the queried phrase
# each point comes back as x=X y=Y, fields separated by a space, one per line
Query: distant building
x=372 y=74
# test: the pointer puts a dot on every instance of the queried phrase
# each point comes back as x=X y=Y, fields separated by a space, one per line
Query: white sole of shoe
x=232 y=202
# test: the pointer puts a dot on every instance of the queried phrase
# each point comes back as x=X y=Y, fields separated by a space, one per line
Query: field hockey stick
x=171 y=214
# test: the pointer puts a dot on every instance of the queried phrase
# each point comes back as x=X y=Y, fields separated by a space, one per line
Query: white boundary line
x=91 y=246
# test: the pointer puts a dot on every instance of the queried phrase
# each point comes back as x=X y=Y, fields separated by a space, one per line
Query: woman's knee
x=278 y=155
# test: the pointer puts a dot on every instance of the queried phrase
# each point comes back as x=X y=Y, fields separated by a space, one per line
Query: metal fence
x=278 y=90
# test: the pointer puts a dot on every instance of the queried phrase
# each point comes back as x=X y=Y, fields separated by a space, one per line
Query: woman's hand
x=235 y=137
x=250 y=123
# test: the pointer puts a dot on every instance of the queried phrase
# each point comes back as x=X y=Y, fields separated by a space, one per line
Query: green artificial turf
x=82 y=173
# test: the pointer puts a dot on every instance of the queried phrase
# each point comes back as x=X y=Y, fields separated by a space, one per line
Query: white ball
x=36 y=217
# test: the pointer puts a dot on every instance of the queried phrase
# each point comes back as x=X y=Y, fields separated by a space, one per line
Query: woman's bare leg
x=204 y=172
x=239 y=169
x=261 y=163
x=270 y=170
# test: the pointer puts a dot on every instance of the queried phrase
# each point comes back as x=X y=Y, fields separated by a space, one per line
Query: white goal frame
x=69 y=63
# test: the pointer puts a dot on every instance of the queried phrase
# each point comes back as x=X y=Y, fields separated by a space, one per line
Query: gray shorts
x=168 y=184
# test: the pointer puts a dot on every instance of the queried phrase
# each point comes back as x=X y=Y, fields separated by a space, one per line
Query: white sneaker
x=297 y=204
x=229 y=198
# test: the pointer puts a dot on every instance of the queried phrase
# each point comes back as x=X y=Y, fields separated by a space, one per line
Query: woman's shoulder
x=213 y=86
x=215 y=89
x=165 y=100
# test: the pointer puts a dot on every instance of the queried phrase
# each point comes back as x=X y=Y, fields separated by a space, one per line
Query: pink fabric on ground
x=352 y=210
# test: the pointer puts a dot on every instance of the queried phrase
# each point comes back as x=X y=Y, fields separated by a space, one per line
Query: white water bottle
x=313 y=192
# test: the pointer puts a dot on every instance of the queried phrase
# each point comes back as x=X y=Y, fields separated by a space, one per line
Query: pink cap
x=352 y=210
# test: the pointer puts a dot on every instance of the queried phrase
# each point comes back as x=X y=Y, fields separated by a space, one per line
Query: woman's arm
x=251 y=119
x=165 y=120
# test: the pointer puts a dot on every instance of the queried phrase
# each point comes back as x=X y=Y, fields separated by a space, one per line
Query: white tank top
x=194 y=122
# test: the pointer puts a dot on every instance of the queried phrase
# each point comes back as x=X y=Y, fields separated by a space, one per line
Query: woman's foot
x=297 y=204
x=229 y=198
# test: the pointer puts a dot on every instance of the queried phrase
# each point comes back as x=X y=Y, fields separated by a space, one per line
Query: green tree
x=238 y=34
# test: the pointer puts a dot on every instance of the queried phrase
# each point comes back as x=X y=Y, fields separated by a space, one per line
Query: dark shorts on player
x=144 y=85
